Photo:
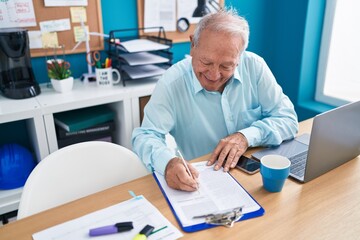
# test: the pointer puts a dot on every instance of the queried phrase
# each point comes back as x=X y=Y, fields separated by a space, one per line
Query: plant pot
x=63 y=85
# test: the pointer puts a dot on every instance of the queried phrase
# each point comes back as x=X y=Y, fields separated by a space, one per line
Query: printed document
x=160 y=13
x=138 y=210
x=141 y=45
x=218 y=192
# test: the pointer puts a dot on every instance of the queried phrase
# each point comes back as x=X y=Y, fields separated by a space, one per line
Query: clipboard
x=203 y=225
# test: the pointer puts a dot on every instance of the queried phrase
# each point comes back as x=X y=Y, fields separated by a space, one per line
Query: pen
x=144 y=233
x=183 y=161
x=187 y=168
x=98 y=64
x=116 y=228
x=158 y=230
x=109 y=62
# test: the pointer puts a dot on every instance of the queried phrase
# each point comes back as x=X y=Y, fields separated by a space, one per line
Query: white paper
x=160 y=13
x=58 y=3
x=141 y=45
x=143 y=71
x=35 y=39
x=142 y=58
x=138 y=210
x=55 y=25
x=218 y=193
x=17 y=13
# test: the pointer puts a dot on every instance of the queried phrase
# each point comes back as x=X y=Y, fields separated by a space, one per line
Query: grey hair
x=226 y=20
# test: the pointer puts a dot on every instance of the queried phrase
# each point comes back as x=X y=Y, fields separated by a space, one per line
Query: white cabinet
x=27 y=110
x=38 y=113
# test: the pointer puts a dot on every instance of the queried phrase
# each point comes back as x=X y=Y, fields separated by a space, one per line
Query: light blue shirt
x=252 y=103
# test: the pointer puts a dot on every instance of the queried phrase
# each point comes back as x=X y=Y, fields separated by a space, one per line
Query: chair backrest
x=76 y=171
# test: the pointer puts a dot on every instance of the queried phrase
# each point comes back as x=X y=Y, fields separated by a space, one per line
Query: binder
x=203 y=225
x=79 y=119
x=96 y=130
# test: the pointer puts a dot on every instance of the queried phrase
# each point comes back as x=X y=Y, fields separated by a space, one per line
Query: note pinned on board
x=78 y=14
x=16 y=13
x=55 y=25
x=35 y=39
x=49 y=40
x=62 y=3
x=79 y=33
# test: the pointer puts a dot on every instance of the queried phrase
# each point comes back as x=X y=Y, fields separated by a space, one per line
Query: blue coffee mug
x=274 y=170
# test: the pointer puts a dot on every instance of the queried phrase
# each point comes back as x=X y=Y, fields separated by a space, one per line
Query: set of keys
x=223 y=219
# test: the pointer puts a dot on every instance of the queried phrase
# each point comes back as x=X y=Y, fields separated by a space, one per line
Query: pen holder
x=105 y=77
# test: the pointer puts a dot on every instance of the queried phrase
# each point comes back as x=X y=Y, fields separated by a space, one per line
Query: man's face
x=215 y=58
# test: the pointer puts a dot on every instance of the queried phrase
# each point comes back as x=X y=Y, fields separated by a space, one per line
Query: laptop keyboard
x=298 y=163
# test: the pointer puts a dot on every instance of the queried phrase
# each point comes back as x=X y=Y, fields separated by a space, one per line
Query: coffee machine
x=17 y=80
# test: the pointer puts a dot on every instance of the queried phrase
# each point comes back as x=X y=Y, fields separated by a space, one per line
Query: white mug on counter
x=104 y=77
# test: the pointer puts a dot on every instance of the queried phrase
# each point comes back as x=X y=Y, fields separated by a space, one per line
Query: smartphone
x=248 y=165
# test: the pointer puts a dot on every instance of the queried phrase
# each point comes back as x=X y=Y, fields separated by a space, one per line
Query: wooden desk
x=324 y=208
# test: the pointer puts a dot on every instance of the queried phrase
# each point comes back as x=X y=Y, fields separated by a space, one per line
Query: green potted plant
x=60 y=74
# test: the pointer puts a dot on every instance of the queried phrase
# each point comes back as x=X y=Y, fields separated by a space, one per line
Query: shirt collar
x=237 y=75
x=196 y=84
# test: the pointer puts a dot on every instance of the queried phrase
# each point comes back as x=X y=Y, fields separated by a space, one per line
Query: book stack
x=86 y=124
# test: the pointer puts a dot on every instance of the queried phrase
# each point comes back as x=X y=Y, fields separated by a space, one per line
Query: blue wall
x=287 y=34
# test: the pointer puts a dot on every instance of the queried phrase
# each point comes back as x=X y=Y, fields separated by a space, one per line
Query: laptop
x=334 y=140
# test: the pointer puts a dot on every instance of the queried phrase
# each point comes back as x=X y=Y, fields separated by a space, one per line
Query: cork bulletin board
x=94 y=22
x=175 y=36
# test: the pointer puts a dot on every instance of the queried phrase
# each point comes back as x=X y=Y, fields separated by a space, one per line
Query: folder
x=219 y=192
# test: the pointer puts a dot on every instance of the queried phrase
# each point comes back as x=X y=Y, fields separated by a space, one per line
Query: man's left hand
x=228 y=151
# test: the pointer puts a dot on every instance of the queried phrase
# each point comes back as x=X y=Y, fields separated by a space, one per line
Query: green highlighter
x=144 y=233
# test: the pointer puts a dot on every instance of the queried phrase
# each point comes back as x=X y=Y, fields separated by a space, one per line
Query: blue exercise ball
x=16 y=164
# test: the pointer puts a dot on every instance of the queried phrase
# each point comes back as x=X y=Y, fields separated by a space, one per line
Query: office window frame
x=326 y=60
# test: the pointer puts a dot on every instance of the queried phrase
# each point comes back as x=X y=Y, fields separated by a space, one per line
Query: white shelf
x=38 y=113
x=9 y=200
x=82 y=95
x=18 y=109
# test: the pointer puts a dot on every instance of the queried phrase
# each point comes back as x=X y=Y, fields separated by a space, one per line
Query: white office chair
x=76 y=171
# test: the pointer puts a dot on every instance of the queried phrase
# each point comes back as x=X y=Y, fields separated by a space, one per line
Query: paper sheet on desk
x=218 y=192
x=138 y=210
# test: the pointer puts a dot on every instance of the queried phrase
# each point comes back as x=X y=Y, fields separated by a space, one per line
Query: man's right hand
x=177 y=177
